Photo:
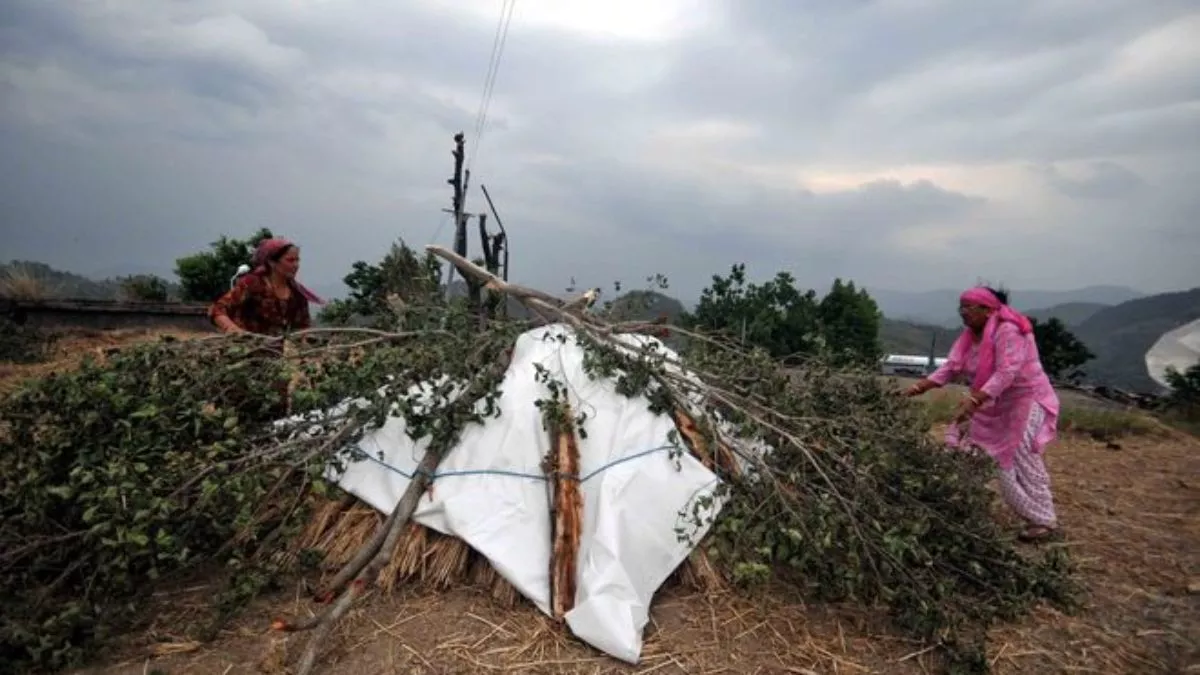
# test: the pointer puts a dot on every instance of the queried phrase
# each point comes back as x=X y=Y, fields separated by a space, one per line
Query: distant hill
x=907 y=337
x=41 y=279
x=1072 y=313
x=938 y=307
x=644 y=306
x=1118 y=324
x=1121 y=335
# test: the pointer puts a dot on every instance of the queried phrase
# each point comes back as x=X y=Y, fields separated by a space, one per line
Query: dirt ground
x=72 y=347
x=1132 y=519
x=1130 y=509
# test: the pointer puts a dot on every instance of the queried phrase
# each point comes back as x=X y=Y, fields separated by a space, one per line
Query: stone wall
x=107 y=315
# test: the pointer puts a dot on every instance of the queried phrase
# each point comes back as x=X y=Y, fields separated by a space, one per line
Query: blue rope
x=518 y=474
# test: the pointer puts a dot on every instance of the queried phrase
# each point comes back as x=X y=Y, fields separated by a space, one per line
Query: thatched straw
x=324 y=513
x=427 y=557
x=341 y=526
x=349 y=533
x=483 y=575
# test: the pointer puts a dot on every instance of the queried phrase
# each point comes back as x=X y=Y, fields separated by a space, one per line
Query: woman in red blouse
x=268 y=300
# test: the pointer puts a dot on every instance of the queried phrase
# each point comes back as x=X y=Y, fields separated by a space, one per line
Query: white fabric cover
x=1178 y=349
x=490 y=492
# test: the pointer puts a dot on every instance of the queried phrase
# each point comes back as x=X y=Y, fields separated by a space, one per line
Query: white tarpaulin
x=490 y=492
x=1178 y=349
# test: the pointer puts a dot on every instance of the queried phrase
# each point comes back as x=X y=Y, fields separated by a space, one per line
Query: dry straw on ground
x=435 y=561
x=1133 y=519
x=19 y=282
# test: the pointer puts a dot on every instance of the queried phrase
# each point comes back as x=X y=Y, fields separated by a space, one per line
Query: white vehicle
x=909 y=364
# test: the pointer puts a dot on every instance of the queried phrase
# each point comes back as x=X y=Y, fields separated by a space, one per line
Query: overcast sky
x=905 y=144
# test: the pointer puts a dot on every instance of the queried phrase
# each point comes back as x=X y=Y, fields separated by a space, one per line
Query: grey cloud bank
x=905 y=145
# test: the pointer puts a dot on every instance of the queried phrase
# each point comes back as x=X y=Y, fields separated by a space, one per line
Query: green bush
x=855 y=501
x=1183 y=402
x=115 y=475
x=166 y=457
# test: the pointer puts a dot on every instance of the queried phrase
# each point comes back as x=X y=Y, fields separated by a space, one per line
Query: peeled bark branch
x=566 y=511
x=324 y=622
x=360 y=560
x=531 y=297
x=717 y=456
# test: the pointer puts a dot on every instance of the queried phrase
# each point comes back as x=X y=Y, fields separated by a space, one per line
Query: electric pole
x=495 y=248
x=460 y=182
x=458 y=202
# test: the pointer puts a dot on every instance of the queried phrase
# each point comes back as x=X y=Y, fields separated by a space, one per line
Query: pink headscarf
x=986 y=364
x=265 y=251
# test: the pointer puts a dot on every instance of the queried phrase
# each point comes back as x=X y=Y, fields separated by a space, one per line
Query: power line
x=489 y=84
x=488 y=77
x=441 y=226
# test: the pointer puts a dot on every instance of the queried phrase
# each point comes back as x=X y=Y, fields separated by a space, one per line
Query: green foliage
x=1062 y=353
x=145 y=288
x=855 y=502
x=778 y=317
x=413 y=283
x=163 y=458
x=774 y=316
x=204 y=276
x=1185 y=386
x=91 y=472
x=1184 y=399
x=850 y=322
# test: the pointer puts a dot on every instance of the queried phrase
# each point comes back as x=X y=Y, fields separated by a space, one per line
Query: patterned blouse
x=253 y=306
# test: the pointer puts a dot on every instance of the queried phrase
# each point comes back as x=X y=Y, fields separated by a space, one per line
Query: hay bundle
x=423 y=556
x=343 y=527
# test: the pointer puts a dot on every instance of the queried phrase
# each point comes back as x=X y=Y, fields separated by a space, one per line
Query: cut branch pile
x=165 y=457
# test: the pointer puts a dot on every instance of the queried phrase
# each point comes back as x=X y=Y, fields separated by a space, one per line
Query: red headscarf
x=266 y=251
x=987 y=348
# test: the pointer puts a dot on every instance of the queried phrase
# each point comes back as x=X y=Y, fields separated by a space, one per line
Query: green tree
x=145 y=288
x=774 y=315
x=401 y=290
x=850 y=322
x=1185 y=391
x=1062 y=354
x=204 y=276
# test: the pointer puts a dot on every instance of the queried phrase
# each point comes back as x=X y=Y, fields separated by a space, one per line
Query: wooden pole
x=474 y=288
x=460 y=221
x=457 y=204
x=501 y=239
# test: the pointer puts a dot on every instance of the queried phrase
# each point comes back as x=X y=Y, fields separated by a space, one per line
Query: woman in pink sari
x=1012 y=407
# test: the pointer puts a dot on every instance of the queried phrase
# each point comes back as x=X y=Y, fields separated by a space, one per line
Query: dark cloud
x=883 y=141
